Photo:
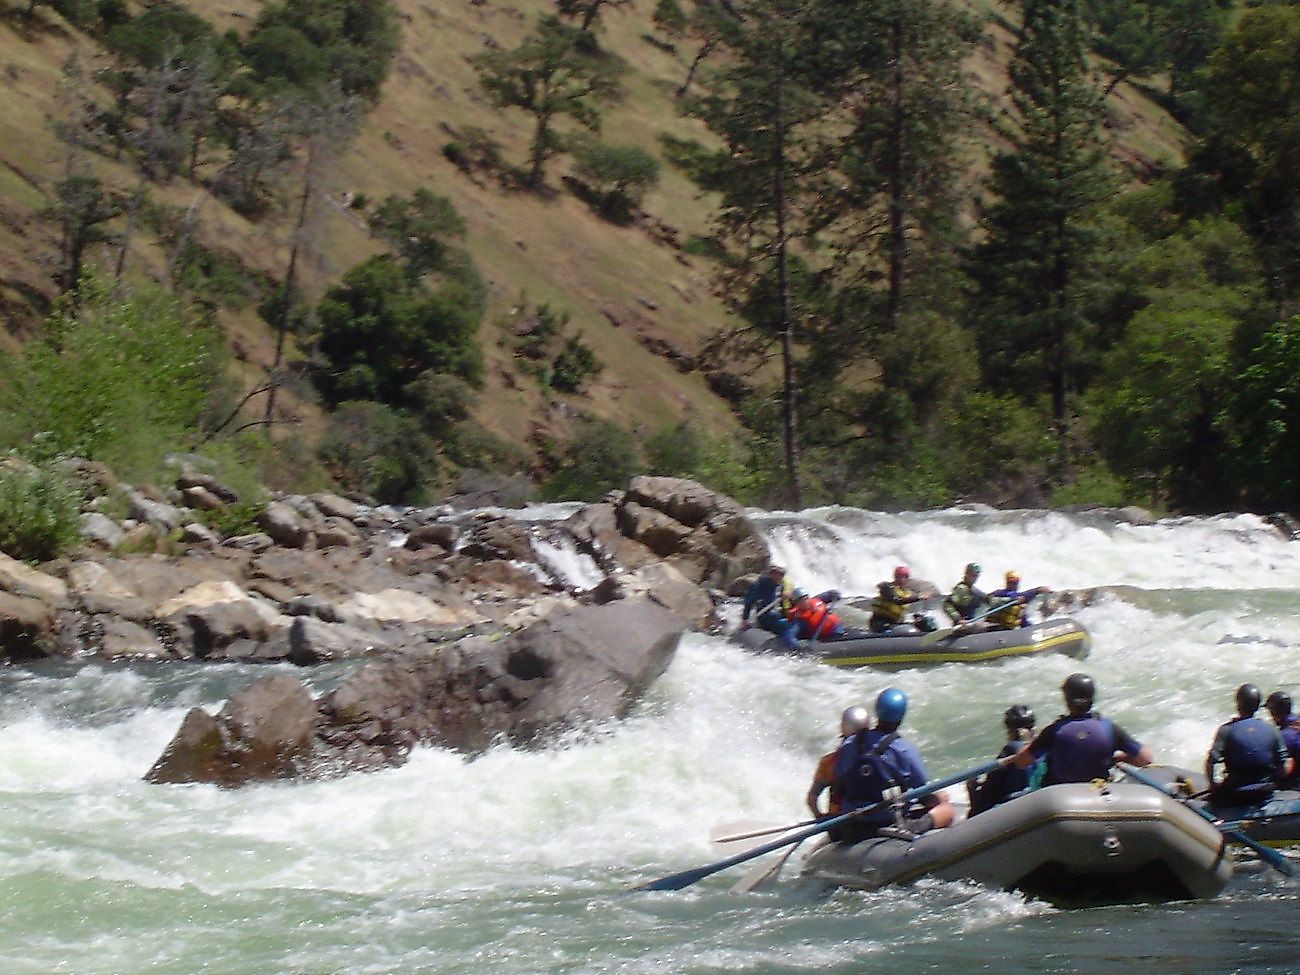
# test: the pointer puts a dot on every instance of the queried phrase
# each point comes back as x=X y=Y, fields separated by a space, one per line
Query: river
x=519 y=862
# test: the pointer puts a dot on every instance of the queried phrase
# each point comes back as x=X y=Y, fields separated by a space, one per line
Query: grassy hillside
x=632 y=291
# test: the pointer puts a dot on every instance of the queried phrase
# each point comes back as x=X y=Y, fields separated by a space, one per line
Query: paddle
x=939 y=636
x=748 y=829
x=745 y=624
x=1274 y=859
x=764 y=876
x=685 y=878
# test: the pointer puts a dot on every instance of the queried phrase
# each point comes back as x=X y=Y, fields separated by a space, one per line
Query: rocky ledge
x=482 y=626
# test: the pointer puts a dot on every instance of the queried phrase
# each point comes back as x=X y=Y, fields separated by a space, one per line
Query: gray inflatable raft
x=1077 y=843
x=906 y=647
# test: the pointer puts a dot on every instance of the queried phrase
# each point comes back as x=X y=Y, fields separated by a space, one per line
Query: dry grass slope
x=624 y=286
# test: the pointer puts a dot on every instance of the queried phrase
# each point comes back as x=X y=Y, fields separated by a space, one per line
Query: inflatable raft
x=1077 y=843
x=1273 y=823
x=913 y=648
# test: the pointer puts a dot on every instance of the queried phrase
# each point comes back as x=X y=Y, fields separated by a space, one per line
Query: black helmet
x=1279 y=704
x=1247 y=700
x=1079 y=690
x=1018 y=716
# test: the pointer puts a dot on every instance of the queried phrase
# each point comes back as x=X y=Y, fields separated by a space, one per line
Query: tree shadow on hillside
x=30 y=23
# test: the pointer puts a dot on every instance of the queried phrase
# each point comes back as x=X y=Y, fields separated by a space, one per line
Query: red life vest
x=816 y=616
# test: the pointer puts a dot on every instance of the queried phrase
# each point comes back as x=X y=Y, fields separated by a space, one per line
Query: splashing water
x=518 y=861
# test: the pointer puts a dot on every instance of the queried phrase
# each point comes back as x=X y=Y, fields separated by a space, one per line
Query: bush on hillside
x=601 y=457
x=620 y=175
x=122 y=378
x=373 y=449
x=380 y=331
x=310 y=43
x=685 y=450
x=40 y=511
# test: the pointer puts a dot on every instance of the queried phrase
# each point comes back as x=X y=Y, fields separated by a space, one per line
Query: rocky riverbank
x=475 y=633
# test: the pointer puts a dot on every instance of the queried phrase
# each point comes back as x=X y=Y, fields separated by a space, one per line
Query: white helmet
x=854 y=719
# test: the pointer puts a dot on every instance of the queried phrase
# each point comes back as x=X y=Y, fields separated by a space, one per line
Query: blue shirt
x=760 y=593
x=862 y=781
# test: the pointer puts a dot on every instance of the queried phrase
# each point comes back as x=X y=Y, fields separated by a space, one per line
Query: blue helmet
x=891 y=705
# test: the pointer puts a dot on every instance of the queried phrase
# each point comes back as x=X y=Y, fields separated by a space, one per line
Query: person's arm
x=1134 y=752
x=1282 y=759
x=1036 y=749
x=1215 y=754
x=823 y=779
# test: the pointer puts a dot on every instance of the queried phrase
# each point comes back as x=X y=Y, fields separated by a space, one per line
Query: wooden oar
x=1274 y=859
x=685 y=878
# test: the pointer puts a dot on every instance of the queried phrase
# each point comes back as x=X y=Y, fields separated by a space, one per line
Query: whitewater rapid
x=519 y=862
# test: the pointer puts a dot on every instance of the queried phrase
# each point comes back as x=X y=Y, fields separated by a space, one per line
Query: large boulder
x=27 y=628
x=580 y=665
x=265 y=731
x=22 y=580
x=706 y=535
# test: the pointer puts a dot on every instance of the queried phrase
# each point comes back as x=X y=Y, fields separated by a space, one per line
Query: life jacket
x=959 y=603
x=1249 y=753
x=888 y=605
x=787 y=597
x=1009 y=616
x=816 y=616
x=861 y=773
x=1081 y=749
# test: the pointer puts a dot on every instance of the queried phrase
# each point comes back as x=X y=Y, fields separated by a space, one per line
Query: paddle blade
x=763 y=877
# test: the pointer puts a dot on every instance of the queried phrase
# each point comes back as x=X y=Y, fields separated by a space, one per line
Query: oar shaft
x=736 y=838
x=677 y=881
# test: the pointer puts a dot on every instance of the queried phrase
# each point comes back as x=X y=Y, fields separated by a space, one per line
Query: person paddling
x=1279 y=707
x=1006 y=781
x=1011 y=600
x=875 y=760
x=965 y=600
x=1081 y=745
x=852 y=721
x=1252 y=753
x=770 y=596
x=889 y=606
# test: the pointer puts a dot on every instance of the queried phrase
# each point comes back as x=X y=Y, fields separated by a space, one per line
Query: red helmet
x=902 y=572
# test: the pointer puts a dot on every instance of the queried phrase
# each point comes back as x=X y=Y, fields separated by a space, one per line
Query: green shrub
x=119 y=378
x=684 y=450
x=230 y=520
x=601 y=457
x=573 y=364
x=371 y=448
x=380 y=331
x=620 y=175
x=40 y=512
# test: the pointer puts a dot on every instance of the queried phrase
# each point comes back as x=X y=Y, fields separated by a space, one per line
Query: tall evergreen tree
x=758 y=105
x=892 y=213
x=1034 y=266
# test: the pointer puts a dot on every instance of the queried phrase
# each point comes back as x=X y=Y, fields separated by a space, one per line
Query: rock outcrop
x=578 y=666
x=468 y=627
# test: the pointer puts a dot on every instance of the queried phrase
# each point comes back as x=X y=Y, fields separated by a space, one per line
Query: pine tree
x=758 y=105
x=1034 y=266
x=551 y=75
